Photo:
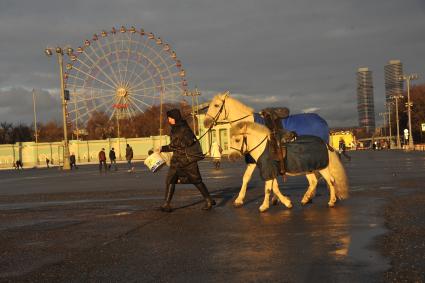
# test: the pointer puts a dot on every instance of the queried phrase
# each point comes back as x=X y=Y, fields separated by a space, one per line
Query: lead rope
x=215 y=118
x=245 y=142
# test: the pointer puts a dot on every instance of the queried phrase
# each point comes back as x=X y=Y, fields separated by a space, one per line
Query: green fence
x=35 y=154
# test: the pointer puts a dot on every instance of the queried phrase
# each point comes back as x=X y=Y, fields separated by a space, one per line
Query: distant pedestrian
x=102 y=160
x=47 y=162
x=129 y=157
x=216 y=151
x=72 y=161
x=113 y=159
x=19 y=164
x=342 y=149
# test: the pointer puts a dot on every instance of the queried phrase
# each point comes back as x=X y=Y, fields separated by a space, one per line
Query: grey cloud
x=16 y=105
x=303 y=54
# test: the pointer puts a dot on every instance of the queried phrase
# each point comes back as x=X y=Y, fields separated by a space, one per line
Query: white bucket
x=154 y=161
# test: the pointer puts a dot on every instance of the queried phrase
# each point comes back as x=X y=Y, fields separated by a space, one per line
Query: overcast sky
x=302 y=54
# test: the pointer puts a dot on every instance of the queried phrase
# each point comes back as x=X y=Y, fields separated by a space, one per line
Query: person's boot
x=209 y=202
x=169 y=192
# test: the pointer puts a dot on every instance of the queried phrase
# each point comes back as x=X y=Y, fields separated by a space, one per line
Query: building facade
x=365 y=103
x=393 y=84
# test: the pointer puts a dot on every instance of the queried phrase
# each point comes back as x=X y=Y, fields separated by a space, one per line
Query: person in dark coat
x=129 y=157
x=182 y=166
x=102 y=160
x=113 y=159
x=72 y=161
x=342 y=149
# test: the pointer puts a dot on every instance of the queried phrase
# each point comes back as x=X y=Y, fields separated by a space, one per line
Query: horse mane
x=237 y=103
x=247 y=126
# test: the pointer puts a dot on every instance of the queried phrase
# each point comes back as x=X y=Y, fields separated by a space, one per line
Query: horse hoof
x=263 y=209
x=307 y=202
x=331 y=205
x=237 y=204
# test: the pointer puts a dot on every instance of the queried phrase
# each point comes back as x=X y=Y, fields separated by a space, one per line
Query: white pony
x=250 y=137
x=225 y=109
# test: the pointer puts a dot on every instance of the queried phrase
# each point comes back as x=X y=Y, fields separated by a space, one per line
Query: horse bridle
x=215 y=118
x=226 y=115
x=244 y=142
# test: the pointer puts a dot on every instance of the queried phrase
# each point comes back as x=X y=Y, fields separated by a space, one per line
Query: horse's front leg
x=311 y=190
x=245 y=179
x=283 y=199
x=267 y=191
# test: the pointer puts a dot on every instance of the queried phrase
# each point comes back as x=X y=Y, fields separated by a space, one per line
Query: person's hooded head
x=175 y=115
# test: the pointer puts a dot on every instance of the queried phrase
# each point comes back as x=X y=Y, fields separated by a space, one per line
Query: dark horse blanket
x=309 y=124
x=306 y=154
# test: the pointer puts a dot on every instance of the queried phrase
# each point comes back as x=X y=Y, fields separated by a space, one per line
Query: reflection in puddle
x=342 y=246
x=289 y=238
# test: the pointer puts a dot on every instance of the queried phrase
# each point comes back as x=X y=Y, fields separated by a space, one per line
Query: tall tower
x=365 y=106
x=393 y=86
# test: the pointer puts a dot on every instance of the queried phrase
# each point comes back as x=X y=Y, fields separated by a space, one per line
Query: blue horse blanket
x=304 y=124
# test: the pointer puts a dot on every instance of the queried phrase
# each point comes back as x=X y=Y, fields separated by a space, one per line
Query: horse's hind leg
x=330 y=180
x=311 y=190
x=283 y=199
x=267 y=190
x=245 y=179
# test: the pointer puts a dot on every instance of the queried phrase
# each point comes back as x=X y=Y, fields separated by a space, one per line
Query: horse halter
x=226 y=114
x=215 y=118
x=244 y=142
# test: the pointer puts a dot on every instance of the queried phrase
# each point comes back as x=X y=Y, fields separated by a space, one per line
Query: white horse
x=225 y=109
x=250 y=137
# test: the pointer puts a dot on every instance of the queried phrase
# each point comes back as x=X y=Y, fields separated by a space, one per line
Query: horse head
x=216 y=110
x=247 y=137
x=238 y=134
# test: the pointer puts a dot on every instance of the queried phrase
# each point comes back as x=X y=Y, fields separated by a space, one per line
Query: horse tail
x=338 y=173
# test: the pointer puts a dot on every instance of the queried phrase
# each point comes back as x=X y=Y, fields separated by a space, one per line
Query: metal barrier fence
x=36 y=154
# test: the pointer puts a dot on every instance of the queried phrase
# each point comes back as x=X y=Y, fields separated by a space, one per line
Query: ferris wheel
x=121 y=73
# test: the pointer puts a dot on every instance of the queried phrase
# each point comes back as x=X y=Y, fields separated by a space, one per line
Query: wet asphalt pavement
x=83 y=226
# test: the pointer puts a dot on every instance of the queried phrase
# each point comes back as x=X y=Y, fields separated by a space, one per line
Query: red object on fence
x=120 y=106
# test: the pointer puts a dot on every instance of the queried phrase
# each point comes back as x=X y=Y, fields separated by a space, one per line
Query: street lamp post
x=35 y=126
x=198 y=93
x=396 y=98
x=60 y=53
x=388 y=104
x=193 y=94
x=409 y=104
x=384 y=115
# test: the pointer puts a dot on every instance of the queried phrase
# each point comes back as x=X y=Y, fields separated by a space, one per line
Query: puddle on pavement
x=361 y=251
x=122 y=213
x=362 y=188
x=42 y=225
x=366 y=225
x=28 y=205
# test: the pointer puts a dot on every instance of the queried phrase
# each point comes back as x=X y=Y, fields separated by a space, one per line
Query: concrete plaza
x=84 y=226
